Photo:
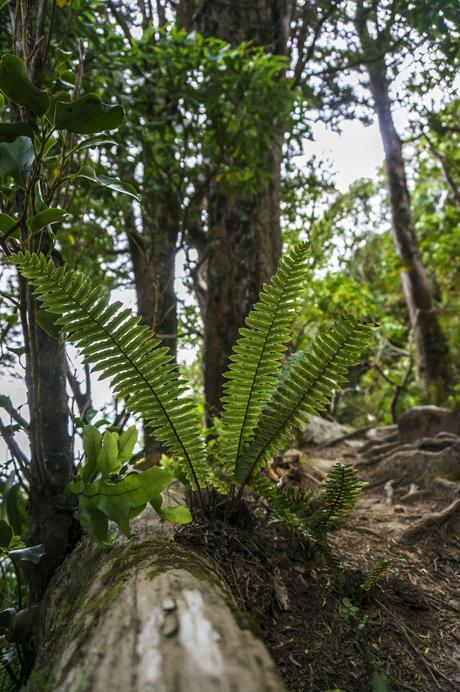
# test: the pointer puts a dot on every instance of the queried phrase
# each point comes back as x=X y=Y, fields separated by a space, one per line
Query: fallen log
x=148 y=615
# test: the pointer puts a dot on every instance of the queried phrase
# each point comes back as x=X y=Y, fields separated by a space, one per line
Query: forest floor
x=325 y=632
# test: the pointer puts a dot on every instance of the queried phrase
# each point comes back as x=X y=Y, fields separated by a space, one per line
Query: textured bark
x=244 y=235
x=431 y=346
x=149 y=615
x=50 y=445
x=51 y=466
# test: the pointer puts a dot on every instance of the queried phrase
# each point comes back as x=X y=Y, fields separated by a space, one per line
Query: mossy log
x=149 y=615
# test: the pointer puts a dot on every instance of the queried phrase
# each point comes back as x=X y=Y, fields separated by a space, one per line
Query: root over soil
x=405 y=630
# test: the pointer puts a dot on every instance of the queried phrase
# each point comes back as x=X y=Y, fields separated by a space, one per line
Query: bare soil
x=404 y=633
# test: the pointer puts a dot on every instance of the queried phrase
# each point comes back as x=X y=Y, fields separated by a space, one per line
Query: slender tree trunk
x=149 y=615
x=244 y=234
x=51 y=522
x=153 y=255
x=431 y=346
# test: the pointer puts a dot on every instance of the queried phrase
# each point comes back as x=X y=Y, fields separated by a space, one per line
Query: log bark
x=147 y=616
x=431 y=346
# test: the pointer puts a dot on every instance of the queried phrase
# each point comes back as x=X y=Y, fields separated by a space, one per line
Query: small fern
x=382 y=566
x=263 y=399
x=339 y=496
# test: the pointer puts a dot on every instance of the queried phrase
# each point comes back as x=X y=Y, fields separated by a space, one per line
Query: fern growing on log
x=263 y=399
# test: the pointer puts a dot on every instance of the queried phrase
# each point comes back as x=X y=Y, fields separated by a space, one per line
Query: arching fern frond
x=256 y=358
x=306 y=386
x=339 y=495
x=114 y=343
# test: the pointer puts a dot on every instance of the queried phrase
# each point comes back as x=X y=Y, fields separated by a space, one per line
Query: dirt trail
x=410 y=632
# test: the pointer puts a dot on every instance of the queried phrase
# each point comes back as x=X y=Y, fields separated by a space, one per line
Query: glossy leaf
x=16 y=159
x=33 y=554
x=126 y=444
x=7 y=222
x=127 y=497
x=107 y=459
x=92 y=442
x=110 y=183
x=17 y=85
x=46 y=218
x=16 y=510
x=95 y=141
x=88 y=115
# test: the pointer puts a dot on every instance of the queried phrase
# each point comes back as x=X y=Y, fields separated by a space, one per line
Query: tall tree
x=376 y=37
x=243 y=244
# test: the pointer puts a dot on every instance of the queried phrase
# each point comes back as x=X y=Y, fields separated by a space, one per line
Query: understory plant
x=266 y=396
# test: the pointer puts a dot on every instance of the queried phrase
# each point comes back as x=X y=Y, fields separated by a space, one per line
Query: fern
x=306 y=386
x=114 y=343
x=256 y=358
x=338 y=497
x=382 y=566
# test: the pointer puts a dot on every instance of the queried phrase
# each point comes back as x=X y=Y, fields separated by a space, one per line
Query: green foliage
x=339 y=495
x=107 y=489
x=383 y=566
x=113 y=341
x=262 y=403
x=257 y=355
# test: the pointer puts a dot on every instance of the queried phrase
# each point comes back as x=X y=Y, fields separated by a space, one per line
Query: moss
x=41 y=679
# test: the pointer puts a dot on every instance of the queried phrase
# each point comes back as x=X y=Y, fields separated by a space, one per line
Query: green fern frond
x=306 y=386
x=382 y=566
x=256 y=358
x=285 y=502
x=114 y=343
x=339 y=495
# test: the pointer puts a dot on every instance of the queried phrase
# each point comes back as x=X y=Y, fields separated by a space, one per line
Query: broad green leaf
x=92 y=442
x=10 y=131
x=126 y=444
x=17 y=85
x=88 y=115
x=110 y=183
x=173 y=515
x=16 y=159
x=47 y=322
x=92 y=520
x=33 y=554
x=6 y=534
x=124 y=499
x=95 y=141
x=16 y=510
x=107 y=459
x=7 y=222
x=45 y=218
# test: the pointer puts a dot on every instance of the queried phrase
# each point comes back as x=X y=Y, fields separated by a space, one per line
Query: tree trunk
x=51 y=467
x=153 y=255
x=431 y=346
x=244 y=234
x=149 y=615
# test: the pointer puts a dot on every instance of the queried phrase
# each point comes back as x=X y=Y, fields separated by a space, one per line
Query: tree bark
x=432 y=363
x=149 y=615
x=244 y=233
x=51 y=466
